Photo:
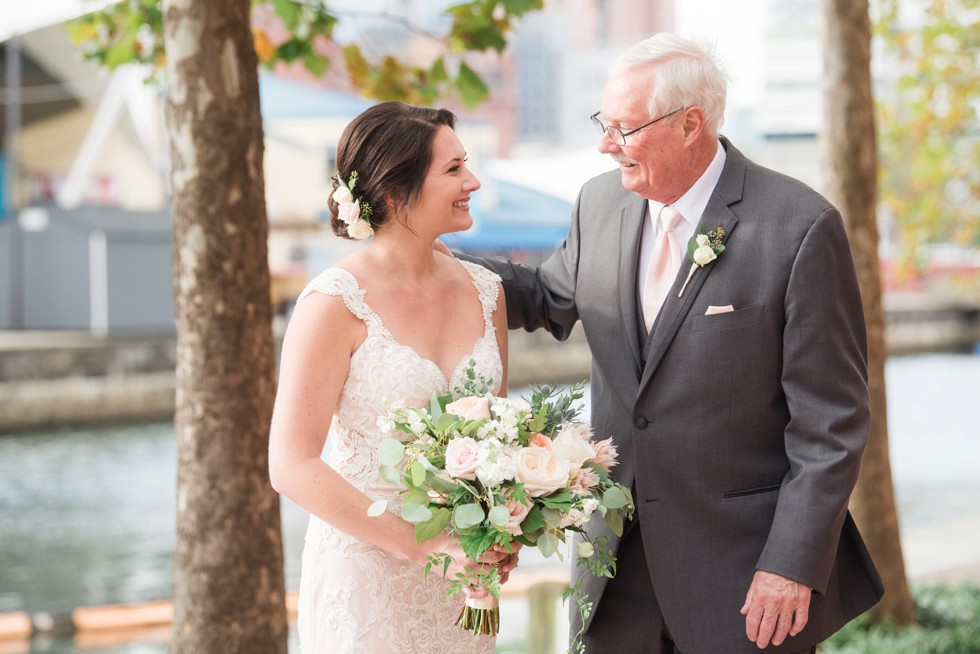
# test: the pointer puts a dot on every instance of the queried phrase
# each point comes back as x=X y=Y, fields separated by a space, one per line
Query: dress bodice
x=382 y=370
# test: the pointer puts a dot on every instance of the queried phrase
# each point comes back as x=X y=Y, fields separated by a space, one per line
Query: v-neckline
x=389 y=337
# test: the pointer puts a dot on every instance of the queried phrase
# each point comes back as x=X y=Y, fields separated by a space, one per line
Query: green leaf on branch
x=468 y=515
x=499 y=516
x=615 y=521
x=418 y=473
x=413 y=512
x=614 y=498
x=433 y=526
x=533 y=522
x=390 y=452
x=391 y=474
x=472 y=90
x=548 y=544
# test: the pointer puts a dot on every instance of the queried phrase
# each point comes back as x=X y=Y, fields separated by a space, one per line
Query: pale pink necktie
x=665 y=261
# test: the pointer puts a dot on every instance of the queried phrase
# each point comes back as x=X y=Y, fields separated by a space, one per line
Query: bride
x=394 y=322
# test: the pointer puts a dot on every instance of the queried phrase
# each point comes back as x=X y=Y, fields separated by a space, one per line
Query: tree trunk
x=851 y=182
x=228 y=565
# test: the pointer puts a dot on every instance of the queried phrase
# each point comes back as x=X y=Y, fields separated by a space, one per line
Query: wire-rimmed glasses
x=617 y=135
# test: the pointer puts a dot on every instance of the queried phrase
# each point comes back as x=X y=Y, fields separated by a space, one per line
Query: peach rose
x=541 y=471
x=470 y=408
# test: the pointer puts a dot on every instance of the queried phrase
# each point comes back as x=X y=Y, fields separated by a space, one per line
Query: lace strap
x=337 y=281
x=487 y=285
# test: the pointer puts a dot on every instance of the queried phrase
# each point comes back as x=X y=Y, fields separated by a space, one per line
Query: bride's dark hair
x=390 y=147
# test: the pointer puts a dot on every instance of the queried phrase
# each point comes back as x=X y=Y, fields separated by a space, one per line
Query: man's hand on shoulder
x=774 y=607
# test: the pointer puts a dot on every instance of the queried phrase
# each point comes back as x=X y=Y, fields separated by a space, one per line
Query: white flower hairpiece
x=356 y=214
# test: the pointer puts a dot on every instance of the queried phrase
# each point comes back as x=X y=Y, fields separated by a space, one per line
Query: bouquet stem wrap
x=481 y=615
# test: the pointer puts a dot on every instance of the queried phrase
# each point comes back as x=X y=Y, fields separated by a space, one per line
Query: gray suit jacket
x=741 y=433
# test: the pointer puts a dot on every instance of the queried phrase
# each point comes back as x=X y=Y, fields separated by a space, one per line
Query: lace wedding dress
x=356 y=598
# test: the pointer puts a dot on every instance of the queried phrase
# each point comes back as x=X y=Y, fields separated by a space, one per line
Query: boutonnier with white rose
x=702 y=249
x=492 y=471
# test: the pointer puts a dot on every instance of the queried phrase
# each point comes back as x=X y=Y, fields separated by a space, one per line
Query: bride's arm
x=321 y=336
x=500 y=327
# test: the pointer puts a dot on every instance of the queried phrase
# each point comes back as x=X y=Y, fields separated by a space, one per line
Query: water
x=86 y=516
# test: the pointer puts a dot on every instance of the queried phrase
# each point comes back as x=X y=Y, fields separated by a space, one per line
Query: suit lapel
x=631 y=229
x=717 y=212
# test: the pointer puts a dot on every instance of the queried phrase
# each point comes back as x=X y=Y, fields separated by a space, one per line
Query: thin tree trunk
x=851 y=182
x=228 y=563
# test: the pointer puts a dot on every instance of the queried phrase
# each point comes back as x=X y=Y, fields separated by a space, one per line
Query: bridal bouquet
x=492 y=471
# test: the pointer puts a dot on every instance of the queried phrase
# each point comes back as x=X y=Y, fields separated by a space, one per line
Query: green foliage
x=928 y=125
x=131 y=31
x=949 y=617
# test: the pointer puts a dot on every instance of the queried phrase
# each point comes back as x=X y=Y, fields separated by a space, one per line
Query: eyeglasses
x=615 y=132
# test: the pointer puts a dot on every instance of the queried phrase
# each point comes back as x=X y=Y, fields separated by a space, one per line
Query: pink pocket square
x=712 y=310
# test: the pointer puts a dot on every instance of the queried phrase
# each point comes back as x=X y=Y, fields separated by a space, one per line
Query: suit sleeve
x=542 y=297
x=824 y=378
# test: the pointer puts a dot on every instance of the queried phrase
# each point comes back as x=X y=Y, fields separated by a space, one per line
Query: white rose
x=462 y=458
x=470 y=408
x=702 y=240
x=572 y=444
x=360 y=230
x=342 y=195
x=541 y=471
x=349 y=212
x=704 y=254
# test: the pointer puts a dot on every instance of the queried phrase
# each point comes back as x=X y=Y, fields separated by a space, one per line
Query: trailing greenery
x=949 y=618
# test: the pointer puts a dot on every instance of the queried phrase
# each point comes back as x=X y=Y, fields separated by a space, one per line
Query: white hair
x=685 y=74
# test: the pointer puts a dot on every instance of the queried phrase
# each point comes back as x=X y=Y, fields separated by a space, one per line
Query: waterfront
x=86 y=516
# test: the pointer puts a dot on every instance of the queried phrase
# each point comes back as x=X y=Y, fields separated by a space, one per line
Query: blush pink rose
x=518 y=512
x=462 y=458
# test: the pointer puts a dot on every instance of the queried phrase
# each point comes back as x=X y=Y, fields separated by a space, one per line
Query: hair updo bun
x=390 y=147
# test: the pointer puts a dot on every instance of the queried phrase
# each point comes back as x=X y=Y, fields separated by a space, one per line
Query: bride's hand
x=460 y=563
x=510 y=562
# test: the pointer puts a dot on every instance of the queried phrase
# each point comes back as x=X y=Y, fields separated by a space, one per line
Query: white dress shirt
x=691 y=205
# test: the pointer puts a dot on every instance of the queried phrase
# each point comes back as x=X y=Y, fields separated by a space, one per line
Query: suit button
x=641 y=423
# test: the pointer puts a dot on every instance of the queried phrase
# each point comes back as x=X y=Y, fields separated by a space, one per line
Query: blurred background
x=87 y=332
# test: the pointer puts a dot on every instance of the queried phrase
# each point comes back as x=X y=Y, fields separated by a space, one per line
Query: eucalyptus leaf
x=390 y=452
x=418 y=473
x=391 y=474
x=468 y=515
x=585 y=549
x=548 y=544
x=433 y=526
x=615 y=521
x=614 y=498
x=376 y=509
x=499 y=516
x=413 y=512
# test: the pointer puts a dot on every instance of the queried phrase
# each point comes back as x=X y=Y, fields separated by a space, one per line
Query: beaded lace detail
x=355 y=597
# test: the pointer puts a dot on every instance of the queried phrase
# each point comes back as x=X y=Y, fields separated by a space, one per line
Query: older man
x=720 y=303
